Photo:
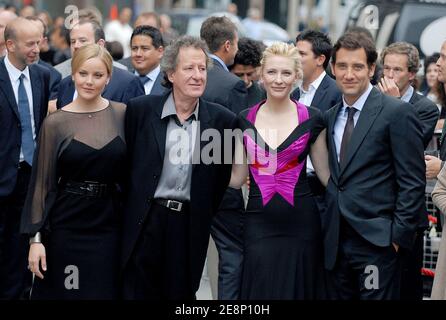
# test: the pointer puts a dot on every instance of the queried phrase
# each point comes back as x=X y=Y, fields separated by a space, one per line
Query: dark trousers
x=15 y=279
x=159 y=267
x=364 y=271
x=227 y=232
x=412 y=280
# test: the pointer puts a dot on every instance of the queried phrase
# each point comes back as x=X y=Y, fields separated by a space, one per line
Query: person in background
x=120 y=30
x=169 y=33
x=147 y=52
x=431 y=82
x=115 y=49
x=6 y=17
x=60 y=40
x=24 y=97
x=246 y=62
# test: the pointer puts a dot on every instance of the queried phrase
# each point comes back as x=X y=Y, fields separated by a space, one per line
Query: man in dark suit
x=123 y=85
x=375 y=194
x=228 y=90
x=173 y=189
x=23 y=106
x=146 y=44
x=400 y=63
x=318 y=89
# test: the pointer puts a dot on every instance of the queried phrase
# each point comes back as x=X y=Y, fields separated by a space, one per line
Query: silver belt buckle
x=174 y=205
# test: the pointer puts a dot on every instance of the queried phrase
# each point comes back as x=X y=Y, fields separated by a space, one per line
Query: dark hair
x=154 y=33
x=320 y=42
x=249 y=53
x=429 y=60
x=116 y=50
x=97 y=29
x=354 y=41
x=216 y=31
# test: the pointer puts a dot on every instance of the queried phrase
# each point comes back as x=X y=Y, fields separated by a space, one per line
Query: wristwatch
x=36 y=239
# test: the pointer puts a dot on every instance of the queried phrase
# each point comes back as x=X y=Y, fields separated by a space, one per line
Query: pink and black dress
x=283 y=254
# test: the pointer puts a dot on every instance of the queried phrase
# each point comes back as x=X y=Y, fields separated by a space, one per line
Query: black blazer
x=225 y=89
x=427 y=113
x=380 y=190
x=10 y=131
x=122 y=87
x=326 y=96
x=145 y=133
x=55 y=78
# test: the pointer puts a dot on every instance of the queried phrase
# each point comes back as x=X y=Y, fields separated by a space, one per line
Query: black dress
x=81 y=232
x=283 y=255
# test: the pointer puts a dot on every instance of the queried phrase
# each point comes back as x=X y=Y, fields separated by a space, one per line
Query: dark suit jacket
x=157 y=88
x=55 y=78
x=380 y=190
x=428 y=114
x=326 y=96
x=10 y=131
x=146 y=136
x=122 y=87
x=225 y=89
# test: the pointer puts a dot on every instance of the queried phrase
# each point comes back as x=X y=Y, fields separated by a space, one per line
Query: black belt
x=88 y=188
x=172 y=204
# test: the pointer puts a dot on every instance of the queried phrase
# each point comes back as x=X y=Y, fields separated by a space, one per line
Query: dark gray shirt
x=176 y=176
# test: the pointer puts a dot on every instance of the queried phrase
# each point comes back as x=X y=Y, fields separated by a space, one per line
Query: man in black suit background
x=24 y=95
x=375 y=194
x=146 y=44
x=400 y=63
x=174 y=190
x=228 y=90
x=123 y=85
x=318 y=89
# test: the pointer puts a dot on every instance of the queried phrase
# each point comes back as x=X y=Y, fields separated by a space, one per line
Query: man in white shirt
x=120 y=30
x=147 y=50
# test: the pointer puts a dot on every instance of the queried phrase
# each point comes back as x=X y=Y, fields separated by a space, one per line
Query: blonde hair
x=286 y=50
x=88 y=52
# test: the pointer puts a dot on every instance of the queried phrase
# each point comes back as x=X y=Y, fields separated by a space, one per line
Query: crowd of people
x=117 y=169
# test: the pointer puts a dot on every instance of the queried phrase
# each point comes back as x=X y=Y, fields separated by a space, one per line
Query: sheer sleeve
x=42 y=188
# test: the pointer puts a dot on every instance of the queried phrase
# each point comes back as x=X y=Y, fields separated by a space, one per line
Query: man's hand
x=389 y=87
x=433 y=167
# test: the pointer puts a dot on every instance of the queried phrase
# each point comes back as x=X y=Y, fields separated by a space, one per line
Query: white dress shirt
x=408 y=94
x=306 y=97
x=14 y=77
x=152 y=75
x=342 y=117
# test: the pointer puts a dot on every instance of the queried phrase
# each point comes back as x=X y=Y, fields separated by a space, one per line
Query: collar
x=315 y=84
x=408 y=94
x=13 y=72
x=359 y=104
x=169 y=108
x=152 y=74
x=213 y=56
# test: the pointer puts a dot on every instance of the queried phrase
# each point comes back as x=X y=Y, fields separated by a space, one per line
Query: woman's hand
x=37 y=256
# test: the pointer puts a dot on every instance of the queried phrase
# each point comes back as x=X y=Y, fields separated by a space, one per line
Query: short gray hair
x=169 y=61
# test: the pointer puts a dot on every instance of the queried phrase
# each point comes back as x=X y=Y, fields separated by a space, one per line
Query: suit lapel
x=160 y=126
x=333 y=152
x=366 y=119
x=36 y=85
x=320 y=94
x=6 y=87
x=203 y=122
x=157 y=87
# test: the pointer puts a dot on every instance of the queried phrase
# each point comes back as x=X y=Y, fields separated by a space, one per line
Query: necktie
x=348 y=130
x=144 y=79
x=25 y=120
